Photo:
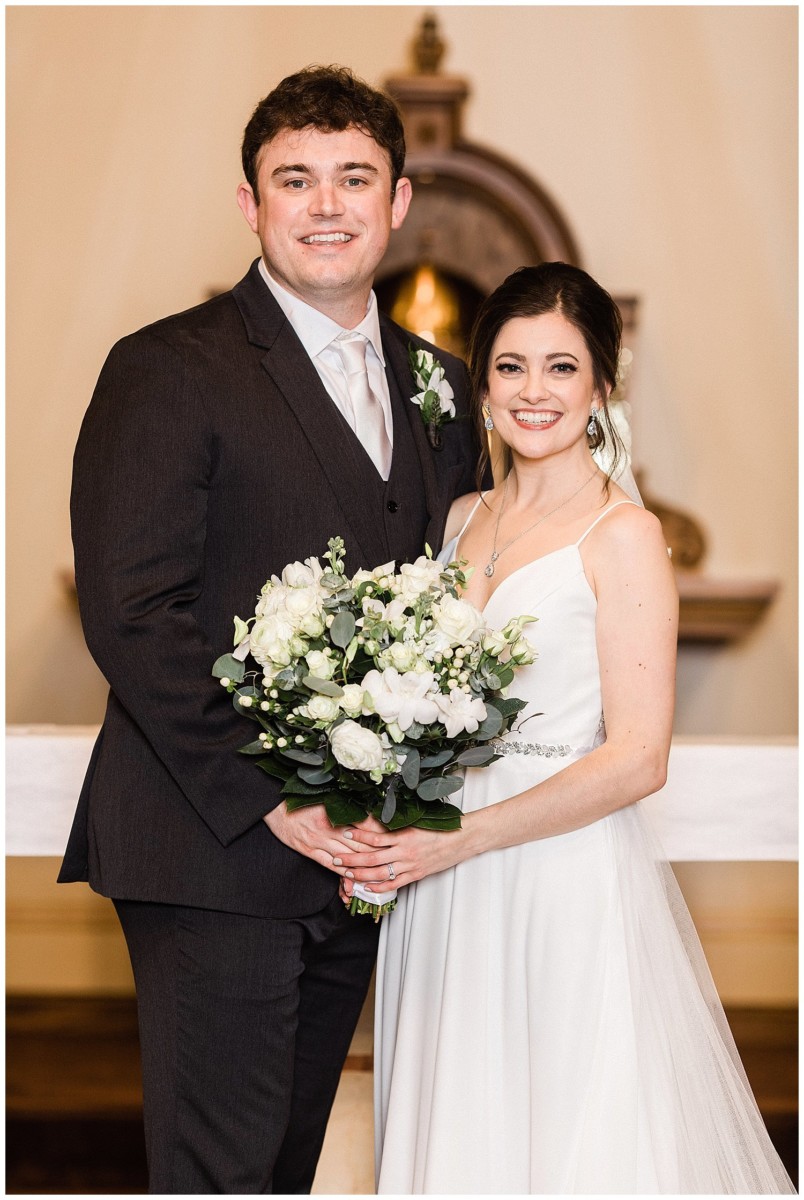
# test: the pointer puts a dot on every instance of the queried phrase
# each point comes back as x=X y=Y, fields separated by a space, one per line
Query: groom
x=221 y=444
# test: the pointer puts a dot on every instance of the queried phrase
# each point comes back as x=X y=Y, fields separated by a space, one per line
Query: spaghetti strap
x=466 y=523
x=605 y=514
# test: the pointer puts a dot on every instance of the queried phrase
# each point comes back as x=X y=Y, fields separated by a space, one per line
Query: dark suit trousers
x=245 y=1023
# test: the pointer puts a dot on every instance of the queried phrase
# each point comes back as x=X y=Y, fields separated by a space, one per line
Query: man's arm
x=143 y=467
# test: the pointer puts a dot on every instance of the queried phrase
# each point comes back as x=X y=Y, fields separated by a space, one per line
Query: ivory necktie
x=367 y=409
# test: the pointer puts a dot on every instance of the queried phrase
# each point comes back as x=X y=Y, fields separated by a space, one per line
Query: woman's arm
x=627 y=566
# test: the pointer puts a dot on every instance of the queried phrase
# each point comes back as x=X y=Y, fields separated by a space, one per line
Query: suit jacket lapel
x=331 y=441
x=400 y=376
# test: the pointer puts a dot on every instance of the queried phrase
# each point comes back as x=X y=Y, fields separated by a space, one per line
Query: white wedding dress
x=546 y=1022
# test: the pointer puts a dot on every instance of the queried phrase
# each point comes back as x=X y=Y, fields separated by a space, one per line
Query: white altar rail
x=725 y=800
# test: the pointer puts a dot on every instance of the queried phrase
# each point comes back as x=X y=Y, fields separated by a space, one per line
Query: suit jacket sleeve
x=143 y=468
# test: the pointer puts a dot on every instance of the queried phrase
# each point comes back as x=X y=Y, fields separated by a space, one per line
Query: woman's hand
x=413 y=854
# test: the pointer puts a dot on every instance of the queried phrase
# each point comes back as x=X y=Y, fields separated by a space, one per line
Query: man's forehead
x=327 y=148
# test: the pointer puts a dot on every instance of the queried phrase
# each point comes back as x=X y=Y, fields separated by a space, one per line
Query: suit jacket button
x=392 y=506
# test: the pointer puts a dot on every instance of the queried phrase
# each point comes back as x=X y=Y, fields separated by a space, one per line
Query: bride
x=546 y=1022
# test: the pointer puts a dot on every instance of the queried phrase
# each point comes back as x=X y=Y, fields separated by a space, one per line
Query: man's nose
x=326 y=200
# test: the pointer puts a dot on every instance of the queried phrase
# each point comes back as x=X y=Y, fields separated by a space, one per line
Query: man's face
x=325 y=215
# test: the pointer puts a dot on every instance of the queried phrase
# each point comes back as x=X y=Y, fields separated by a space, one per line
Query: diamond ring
x=391 y=871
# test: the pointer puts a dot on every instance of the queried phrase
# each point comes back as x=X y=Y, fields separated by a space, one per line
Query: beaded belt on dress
x=545 y=751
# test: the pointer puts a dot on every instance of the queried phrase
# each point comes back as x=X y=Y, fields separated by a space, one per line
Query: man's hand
x=308 y=831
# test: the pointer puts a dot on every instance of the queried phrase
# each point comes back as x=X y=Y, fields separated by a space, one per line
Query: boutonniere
x=435 y=395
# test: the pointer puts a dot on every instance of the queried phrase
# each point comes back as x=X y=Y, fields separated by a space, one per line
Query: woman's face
x=540 y=385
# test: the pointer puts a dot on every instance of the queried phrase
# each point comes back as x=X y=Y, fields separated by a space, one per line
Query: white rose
x=357 y=748
x=459 y=711
x=417 y=577
x=270 y=639
x=494 y=642
x=321 y=664
x=523 y=653
x=352 y=699
x=457 y=619
x=322 y=708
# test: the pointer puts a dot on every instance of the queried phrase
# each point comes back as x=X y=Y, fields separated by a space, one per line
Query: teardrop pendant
x=489 y=571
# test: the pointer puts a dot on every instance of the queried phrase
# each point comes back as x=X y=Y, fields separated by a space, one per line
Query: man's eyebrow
x=304 y=169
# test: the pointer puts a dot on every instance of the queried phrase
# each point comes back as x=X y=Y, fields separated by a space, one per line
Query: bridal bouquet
x=373 y=690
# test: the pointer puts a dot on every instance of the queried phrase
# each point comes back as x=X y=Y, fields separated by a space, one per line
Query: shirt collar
x=314 y=329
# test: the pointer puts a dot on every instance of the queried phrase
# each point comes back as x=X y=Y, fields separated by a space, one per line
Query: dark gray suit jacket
x=210 y=456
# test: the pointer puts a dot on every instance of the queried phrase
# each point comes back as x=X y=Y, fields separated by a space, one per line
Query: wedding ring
x=391 y=871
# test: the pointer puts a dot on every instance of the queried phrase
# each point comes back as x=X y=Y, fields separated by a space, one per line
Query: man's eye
x=296 y=184
x=354 y=181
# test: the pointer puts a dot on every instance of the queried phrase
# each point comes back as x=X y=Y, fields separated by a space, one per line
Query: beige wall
x=667 y=135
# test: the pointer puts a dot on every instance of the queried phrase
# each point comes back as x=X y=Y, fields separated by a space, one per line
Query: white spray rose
x=321 y=664
x=321 y=708
x=356 y=748
x=401 y=655
x=352 y=699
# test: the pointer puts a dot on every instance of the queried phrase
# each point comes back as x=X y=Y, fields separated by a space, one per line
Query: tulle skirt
x=547 y=1024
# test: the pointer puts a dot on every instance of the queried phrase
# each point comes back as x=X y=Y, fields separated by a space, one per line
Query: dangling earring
x=595 y=430
x=592 y=427
x=488 y=423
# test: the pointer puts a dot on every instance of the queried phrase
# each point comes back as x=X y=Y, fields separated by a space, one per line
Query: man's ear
x=248 y=205
x=400 y=204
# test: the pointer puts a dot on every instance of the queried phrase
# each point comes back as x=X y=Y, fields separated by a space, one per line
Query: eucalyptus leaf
x=477 y=756
x=491 y=726
x=411 y=768
x=229 y=667
x=324 y=687
x=389 y=803
x=436 y=760
x=342 y=629
x=440 y=786
x=314 y=775
x=248 y=710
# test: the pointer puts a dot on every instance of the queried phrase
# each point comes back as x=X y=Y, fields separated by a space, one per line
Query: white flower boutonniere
x=435 y=395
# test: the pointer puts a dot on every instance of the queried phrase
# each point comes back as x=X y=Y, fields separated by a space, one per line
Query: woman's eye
x=508 y=368
x=565 y=368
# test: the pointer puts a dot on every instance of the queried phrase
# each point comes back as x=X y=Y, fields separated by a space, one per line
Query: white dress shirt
x=316 y=332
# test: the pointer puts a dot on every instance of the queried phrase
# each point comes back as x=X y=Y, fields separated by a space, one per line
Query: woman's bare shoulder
x=458 y=514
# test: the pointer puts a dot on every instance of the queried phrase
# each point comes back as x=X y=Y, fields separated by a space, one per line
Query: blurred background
x=656 y=147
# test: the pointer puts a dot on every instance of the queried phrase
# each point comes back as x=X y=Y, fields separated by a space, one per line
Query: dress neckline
x=541 y=557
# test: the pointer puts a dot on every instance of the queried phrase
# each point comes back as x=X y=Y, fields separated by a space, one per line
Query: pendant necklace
x=495 y=553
